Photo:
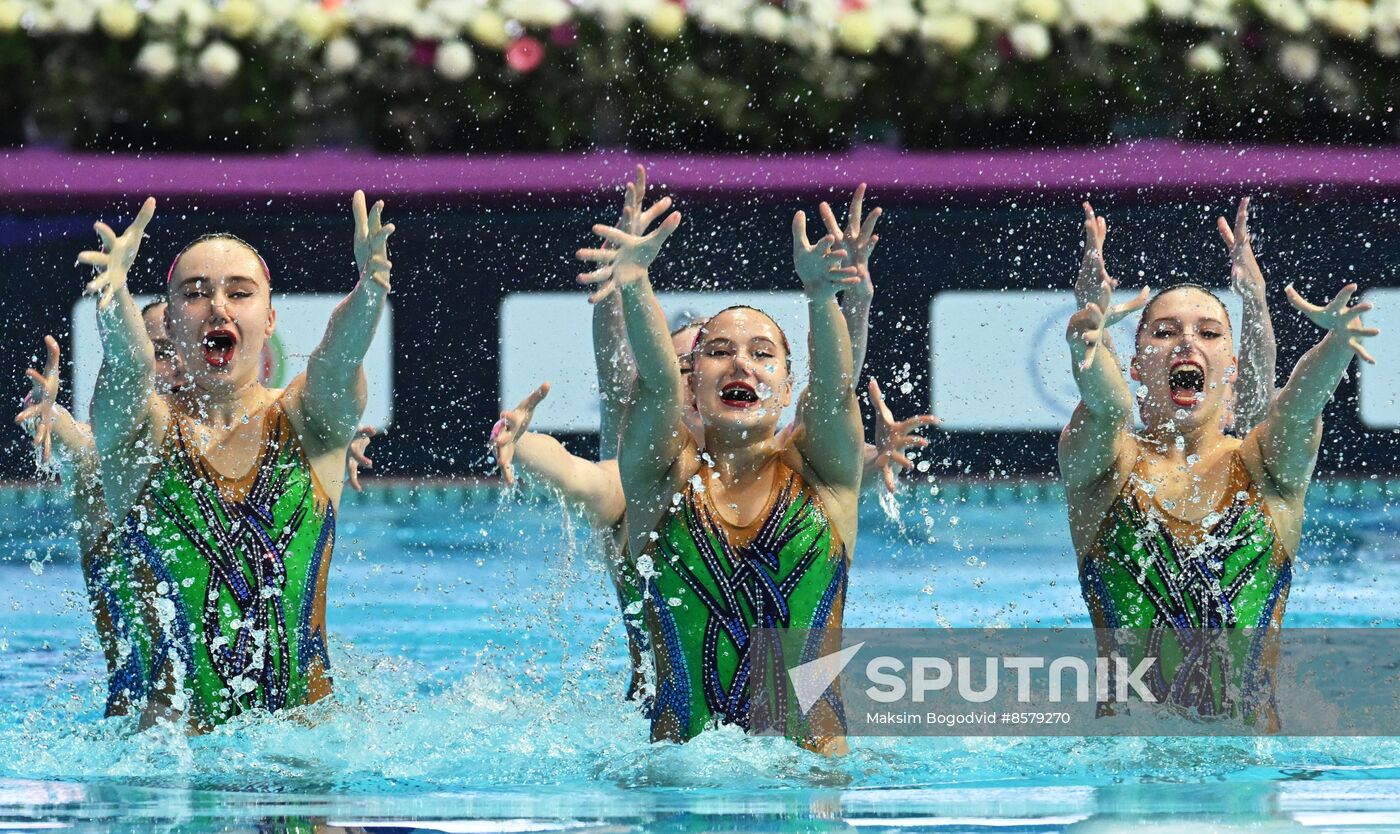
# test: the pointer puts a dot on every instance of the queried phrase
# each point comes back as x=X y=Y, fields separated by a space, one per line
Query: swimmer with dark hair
x=1179 y=527
x=223 y=494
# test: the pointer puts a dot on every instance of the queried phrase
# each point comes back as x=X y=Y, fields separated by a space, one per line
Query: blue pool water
x=479 y=663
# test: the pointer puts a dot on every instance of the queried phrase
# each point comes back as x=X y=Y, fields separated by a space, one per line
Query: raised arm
x=858 y=240
x=612 y=355
x=651 y=441
x=1254 y=389
x=1094 y=438
x=124 y=400
x=594 y=486
x=47 y=421
x=1290 y=435
x=831 y=441
x=332 y=397
x=892 y=439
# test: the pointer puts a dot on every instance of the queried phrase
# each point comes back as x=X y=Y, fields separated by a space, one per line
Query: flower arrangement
x=422 y=75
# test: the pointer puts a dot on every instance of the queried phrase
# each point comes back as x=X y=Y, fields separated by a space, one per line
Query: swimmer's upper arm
x=1091 y=448
x=597 y=486
x=1286 y=450
x=327 y=413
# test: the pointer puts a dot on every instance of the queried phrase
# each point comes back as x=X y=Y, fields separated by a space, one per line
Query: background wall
x=474 y=231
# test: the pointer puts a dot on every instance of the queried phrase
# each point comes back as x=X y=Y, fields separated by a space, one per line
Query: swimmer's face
x=684 y=341
x=1185 y=359
x=170 y=371
x=740 y=379
x=220 y=313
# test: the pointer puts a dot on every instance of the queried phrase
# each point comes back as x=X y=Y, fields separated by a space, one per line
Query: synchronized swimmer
x=207 y=502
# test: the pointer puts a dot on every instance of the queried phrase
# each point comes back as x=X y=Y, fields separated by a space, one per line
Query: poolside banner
x=1020 y=337
x=301 y=321
x=1074 y=682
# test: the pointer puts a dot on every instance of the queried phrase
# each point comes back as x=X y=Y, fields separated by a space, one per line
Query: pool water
x=479 y=663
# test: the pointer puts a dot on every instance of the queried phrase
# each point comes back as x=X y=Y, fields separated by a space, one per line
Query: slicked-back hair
x=700 y=337
x=1184 y=285
x=229 y=236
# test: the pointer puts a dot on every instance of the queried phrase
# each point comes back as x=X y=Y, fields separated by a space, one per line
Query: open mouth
x=738 y=395
x=219 y=346
x=1188 y=381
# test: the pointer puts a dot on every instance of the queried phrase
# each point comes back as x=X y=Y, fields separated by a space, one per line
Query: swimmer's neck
x=1176 y=443
x=737 y=459
x=223 y=407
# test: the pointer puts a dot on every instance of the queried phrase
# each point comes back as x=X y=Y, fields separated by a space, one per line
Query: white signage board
x=1380 y=383
x=998 y=359
x=548 y=337
x=301 y=321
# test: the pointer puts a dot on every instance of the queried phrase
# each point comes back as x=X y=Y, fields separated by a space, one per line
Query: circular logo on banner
x=1057 y=392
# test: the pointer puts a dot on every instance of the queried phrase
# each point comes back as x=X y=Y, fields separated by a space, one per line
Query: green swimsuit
x=707 y=585
x=225 y=595
x=1177 y=584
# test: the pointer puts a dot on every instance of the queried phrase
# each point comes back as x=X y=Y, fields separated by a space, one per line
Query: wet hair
x=1184 y=285
x=229 y=236
x=694 y=321
x=152 y=305
x=699 y=337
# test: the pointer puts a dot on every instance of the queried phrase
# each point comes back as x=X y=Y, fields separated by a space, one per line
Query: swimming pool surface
x=479 y=663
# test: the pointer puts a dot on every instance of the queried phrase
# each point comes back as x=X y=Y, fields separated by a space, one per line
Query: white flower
x=10 y=13
x=164 y=12
x=1175 y=9
x=157 y=60
x=119 y=19
x=74 y=16
x=488 y=28
x=455 y=13
x=858 y=32
x=454 y=60
x=239 y=17
x=1108 y=17
x=953 y=32
x=1030 y=41
x=426 y=26
x=341 y=55
x=537 y=12
x=726 y=15
x=1299 y=61
x=1048 y=12
x=666 y=21
x=218 y=63
x=895 y=16
x=1388 y=43
x=769 y=23
x=1288 y=14
x=1349 y=17
x=1205 y=58
x=314 y=23
x=999 y=13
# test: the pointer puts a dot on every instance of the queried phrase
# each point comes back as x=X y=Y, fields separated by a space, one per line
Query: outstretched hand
x=1091 y=323
x=508 y=430
x=858 y=237
x=355 y=457
x=1338 y=316
x=634 y=220
x=1246 y=278
x=116 y=256
x=893 y=437
x=371 y=240
x=822 y=265
x=1093 y=278
x=628 y=249
x=37 y=414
